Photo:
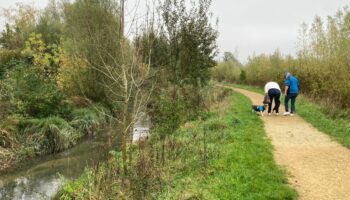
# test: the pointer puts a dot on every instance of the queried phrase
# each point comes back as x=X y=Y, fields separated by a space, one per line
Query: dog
x=259 y=108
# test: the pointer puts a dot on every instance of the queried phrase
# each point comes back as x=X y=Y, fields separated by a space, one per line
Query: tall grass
x=48 y=135
x=89 y=120
x=55 y=134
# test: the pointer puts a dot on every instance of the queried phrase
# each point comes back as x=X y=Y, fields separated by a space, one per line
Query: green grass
x=337 y=127
x=240 y=160
x=237 y=163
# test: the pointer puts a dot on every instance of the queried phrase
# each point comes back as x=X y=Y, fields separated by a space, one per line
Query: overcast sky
x=256 y=26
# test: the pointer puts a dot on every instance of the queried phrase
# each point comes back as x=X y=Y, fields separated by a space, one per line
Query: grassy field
x=337 y=127
x=231 y=159
x=240 y=165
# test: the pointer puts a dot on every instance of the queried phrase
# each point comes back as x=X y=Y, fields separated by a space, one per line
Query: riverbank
x=225 y=156
x=24 y=138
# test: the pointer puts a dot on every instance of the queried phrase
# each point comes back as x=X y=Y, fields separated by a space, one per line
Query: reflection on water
x=41 y=179
x=31 y=189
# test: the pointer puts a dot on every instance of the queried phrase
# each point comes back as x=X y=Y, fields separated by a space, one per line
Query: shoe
x=286 y=114
x=291 y=114
x=277 y=114
x=269 y=114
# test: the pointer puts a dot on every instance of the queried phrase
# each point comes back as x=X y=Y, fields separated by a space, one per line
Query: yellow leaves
x=46 y=58
x=34 y=46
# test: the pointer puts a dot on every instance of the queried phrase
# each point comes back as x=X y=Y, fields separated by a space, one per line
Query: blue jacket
x=261 y=108
x=293 y=85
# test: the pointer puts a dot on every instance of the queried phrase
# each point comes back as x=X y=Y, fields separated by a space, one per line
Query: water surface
x=41 y=178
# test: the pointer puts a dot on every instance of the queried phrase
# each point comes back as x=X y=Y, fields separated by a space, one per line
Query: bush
x=31 y=95
x=8 y=58
x=242 y=77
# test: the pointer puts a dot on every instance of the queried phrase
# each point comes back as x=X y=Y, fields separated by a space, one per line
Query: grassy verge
x=231 y=159
x=240 y=165
x=337 y=127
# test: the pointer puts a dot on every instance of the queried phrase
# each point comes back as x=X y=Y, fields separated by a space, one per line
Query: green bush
x=167 y=117
x=8 y=58
x=31 y=95
x=242 y=77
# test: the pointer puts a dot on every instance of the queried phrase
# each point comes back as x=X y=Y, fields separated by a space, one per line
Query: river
x=41 y=178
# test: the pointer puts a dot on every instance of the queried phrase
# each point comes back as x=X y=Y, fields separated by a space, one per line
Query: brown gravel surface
x=317 y=167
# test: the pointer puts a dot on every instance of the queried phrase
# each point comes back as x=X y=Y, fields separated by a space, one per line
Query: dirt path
x=318 y=167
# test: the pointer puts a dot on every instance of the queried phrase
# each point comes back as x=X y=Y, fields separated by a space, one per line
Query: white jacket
x=271 y=85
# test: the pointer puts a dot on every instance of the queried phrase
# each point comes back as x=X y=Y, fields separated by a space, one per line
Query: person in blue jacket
x=291 y=91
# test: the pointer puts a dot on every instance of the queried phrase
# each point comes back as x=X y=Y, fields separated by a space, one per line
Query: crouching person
x=273 y=90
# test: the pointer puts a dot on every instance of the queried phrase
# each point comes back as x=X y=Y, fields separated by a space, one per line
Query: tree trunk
x=124 y=142
x=121 y=31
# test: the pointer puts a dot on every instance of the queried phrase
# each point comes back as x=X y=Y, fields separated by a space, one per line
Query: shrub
x=242 y=77
x=31 y=95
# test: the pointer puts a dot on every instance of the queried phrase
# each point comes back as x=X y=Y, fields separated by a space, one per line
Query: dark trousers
x=292 y=97
x=274 y=94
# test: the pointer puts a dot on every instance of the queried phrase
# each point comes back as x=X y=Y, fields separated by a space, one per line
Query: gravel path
x=318 y=167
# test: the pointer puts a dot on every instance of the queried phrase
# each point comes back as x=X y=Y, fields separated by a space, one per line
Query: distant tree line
x=322 y=62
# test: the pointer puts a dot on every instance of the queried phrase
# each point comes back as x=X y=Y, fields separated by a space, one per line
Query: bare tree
x=126 y=81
